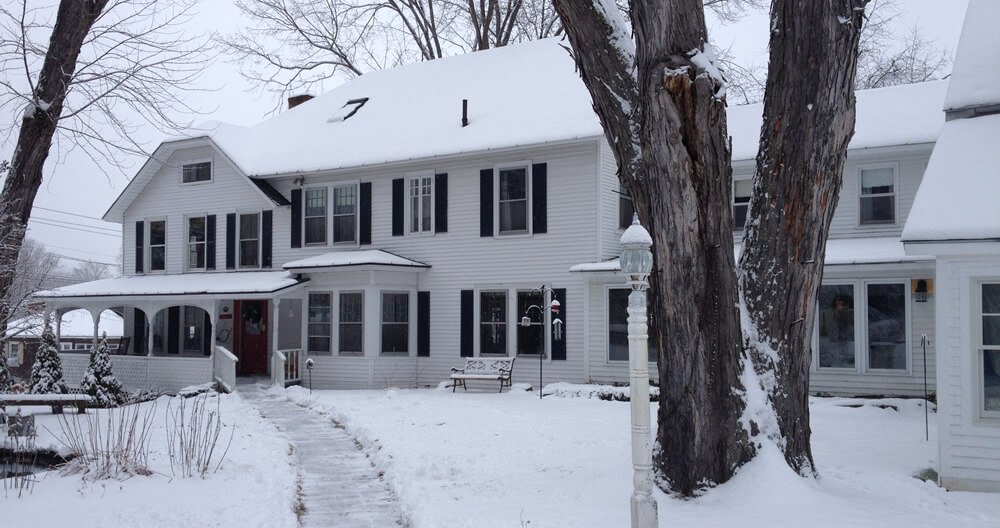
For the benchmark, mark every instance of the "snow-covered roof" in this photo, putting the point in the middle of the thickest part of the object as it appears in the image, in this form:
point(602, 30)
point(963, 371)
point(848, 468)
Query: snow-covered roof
point(518, 95)
point(957, 199)
point(975, 77)
point(896, 115)
point(338, 259)
point(839, 252)
point(179, 284)
point(76, 323)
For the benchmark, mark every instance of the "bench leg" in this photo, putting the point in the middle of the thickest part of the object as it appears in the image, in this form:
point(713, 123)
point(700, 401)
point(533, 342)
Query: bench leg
point(57, 409)
point(81, 409)
point(454, 383)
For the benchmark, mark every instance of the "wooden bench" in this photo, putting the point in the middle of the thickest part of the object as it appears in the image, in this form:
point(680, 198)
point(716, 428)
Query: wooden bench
point(499, 369)
point(56, 401)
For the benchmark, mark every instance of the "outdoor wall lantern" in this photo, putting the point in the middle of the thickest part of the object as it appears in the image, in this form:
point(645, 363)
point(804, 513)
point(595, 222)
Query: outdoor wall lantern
point(920, 292)
point(557, 324)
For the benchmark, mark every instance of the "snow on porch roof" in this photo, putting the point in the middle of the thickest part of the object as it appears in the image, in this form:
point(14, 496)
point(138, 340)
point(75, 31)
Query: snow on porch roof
point(338, 259)
point(184, 284)
point(840, 251)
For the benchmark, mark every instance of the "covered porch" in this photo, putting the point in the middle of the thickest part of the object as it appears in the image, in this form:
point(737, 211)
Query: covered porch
point(190, 329)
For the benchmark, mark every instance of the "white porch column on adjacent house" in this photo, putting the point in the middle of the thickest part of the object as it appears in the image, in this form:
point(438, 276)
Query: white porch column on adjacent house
point(272, 320)
point(213, 314)
point(96, 314)
point(58, 325)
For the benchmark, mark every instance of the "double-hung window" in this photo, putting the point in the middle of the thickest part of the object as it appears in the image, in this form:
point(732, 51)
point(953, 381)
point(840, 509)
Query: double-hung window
point(395, 323)
point(193, 340)
point(157, 245)
point(988, 348)
point(512, 200)
point(351, 328)
point(250, 240)
point(315, 216)
point(742, 189)
point(196, 230)
point(626, 209)
point(421, 196)
point(345, 209)
point(878, 195)
point(493, 323)
point(319, 327)
point(617, 318)
point(196, 172)
point(863, 323)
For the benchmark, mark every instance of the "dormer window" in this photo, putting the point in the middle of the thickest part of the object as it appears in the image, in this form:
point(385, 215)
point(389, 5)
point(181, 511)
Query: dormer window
point(196, 172)
point(349, 109)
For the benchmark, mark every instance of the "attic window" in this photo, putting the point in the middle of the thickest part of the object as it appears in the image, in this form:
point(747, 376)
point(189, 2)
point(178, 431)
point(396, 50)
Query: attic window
point(350, 108)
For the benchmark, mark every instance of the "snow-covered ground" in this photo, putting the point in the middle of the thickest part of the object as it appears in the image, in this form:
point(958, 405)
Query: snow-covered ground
point(255, 486)
point(488, 460)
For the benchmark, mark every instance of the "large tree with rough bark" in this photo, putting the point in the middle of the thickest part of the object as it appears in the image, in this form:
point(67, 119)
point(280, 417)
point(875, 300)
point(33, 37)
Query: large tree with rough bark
point(660, 96)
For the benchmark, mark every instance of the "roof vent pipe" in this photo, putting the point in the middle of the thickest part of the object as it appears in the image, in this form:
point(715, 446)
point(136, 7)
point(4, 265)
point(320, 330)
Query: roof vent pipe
point(465, 112)
point(296, 100)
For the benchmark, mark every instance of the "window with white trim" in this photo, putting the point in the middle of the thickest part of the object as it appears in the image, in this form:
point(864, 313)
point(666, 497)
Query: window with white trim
point(863, 323)
point(878, 195)
point(196, 235)
point(345, 210)
point(319, 324)
point(512, 200)
point(742, 189)
point(626, 209)
point(157, 245)
point(988, 348)
point(315, 216)
point(196, 172)
point(421, 196)
point(351, 320)
point(395, 323)
point(14, 354)
point(249, 225)
point(493, 323)
point(531, 338)
point(193, 340)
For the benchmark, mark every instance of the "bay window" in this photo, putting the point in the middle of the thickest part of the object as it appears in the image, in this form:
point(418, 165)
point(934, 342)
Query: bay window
point(863, 323)
point(318, 324)
point(351, 319)
point(395, 323)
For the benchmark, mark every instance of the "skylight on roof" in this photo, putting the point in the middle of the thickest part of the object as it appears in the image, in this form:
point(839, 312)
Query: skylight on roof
point(350, 108)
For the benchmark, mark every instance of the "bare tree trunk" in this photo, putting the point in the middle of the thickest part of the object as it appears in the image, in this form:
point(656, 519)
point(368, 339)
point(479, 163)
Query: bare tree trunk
point(808, 123)
point(38, 126)
point(667, 126)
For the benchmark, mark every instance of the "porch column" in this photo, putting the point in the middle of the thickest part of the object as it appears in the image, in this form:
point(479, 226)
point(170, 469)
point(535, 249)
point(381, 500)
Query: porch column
point(150, 316)
point(213, 314)
point(96, 314)
point(273, 321)
point(58, 325)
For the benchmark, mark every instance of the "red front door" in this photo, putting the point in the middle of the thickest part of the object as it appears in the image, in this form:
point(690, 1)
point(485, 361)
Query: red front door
point(251, 336)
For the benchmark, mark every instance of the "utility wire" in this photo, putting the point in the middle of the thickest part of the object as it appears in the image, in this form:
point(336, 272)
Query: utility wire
point(74, 228)
point(78, 224)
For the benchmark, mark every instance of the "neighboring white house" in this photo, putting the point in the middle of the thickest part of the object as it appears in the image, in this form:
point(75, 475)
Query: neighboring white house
point(956, 217)
point(388, 234)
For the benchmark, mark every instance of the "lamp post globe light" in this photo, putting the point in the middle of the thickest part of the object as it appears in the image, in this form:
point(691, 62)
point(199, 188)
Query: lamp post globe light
point(637, 263)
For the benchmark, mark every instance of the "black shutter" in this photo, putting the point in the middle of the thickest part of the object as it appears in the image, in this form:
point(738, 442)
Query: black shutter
point(466, 325)
point(486, 203)
point(440, 203)
point(265, 238)
point(210, 242)
point(539, 207)
point(173, 329)
point(206, 336)
point(296, 218)
point(230, 241)
point(140, 235)
point(559, 347)
point(138, 332)
point(366, 213)
point(397, 206)
point(423, 324)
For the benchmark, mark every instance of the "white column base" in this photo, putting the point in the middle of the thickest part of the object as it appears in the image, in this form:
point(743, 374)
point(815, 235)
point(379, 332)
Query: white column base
point(644, 514)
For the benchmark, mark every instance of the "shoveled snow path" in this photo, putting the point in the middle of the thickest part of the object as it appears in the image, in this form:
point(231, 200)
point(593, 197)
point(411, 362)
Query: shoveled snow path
point(339, 485)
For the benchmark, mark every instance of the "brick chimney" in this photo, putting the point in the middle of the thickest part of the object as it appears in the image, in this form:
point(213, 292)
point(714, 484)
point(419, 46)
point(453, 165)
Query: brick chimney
point(296, 100)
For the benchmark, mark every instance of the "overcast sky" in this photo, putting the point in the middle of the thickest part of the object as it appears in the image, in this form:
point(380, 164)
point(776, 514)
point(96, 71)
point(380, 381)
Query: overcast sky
point(75, 186)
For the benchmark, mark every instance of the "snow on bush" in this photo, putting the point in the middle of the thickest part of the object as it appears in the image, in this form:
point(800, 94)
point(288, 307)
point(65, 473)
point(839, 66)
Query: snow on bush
point(6, 381)
point(46, 373)
point(600, 392)
point(108, 445)
point(99, 381)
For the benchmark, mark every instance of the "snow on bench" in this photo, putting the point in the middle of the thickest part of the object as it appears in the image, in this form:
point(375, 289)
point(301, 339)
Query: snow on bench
point(56, 401)
point(483, 369)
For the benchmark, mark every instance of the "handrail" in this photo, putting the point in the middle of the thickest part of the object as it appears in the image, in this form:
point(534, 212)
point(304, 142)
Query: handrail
point(281, 355)
point(225, 351)
point(288, 363)
point(224, 367)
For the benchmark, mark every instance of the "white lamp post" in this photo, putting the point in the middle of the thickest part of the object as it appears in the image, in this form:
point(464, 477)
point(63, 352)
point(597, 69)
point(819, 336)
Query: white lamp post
point(637, 263)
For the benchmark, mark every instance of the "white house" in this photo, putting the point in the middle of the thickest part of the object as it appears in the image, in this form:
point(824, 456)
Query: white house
point(405, 220)
point(956, 218)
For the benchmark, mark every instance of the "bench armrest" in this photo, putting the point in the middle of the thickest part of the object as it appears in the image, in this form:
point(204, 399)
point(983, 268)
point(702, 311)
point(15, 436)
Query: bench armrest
point(453, 369)
point(504, 372)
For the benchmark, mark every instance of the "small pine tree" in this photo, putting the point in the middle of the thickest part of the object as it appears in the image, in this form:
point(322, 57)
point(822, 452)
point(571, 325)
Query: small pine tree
point(99, 381)
point(6, 380)
point(46, 373)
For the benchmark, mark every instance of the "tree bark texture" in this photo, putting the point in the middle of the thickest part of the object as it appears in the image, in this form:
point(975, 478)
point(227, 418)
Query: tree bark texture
point(808, 123)
point(665, 119)
point(74, 20)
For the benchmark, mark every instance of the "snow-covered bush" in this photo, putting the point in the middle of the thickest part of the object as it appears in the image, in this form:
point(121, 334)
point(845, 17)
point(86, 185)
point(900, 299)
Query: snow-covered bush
point(99, 381)
point(47, 373)
point(6, 380)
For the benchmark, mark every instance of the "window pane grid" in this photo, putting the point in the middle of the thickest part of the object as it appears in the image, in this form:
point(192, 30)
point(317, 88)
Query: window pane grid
point(319, 323)
point(989, 348)
point(351, 323)
point(315, 216)
point(878, 196)
point(513, 200)
point(196, 242)
point(493, 323)
point(344, 209)
point(249, 240)
point(157, 245)
point(196, 172)
point(395, 323)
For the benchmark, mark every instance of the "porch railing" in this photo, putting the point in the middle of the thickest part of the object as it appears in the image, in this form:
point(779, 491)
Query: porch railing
point(224, 368)
point(286, 367)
